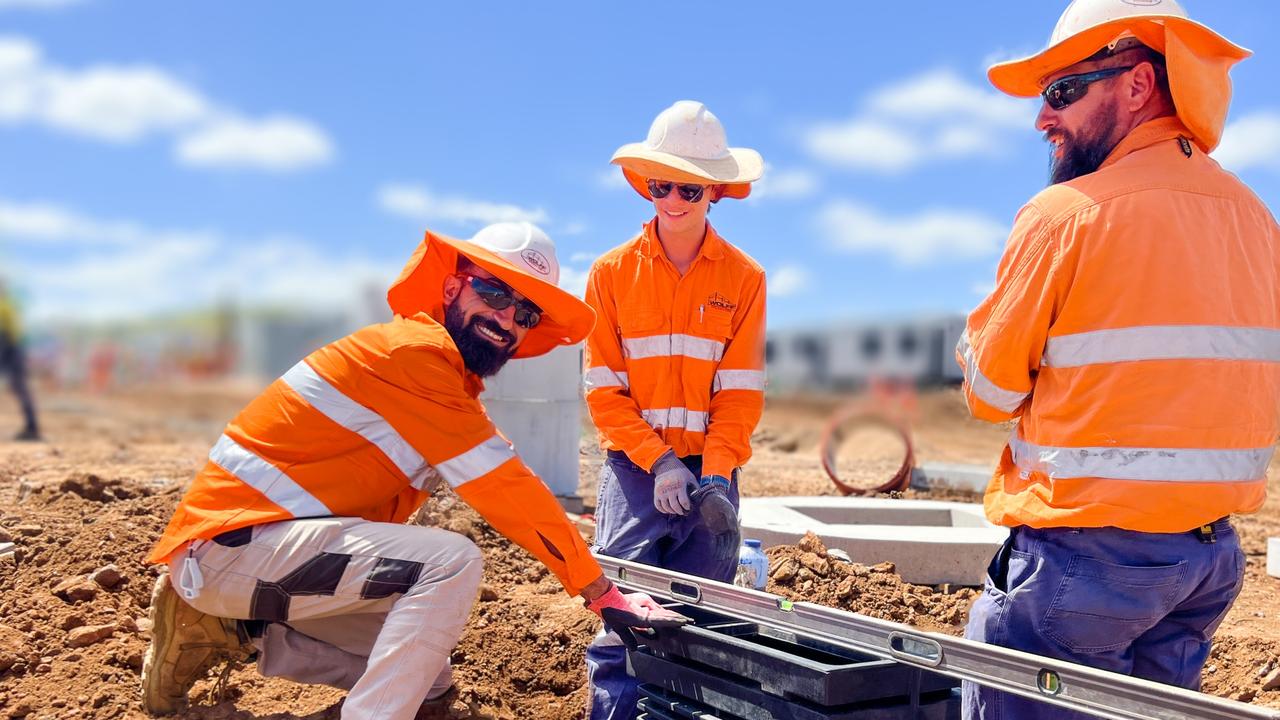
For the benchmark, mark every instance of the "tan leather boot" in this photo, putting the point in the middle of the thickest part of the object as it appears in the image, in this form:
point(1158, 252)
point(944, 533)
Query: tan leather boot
point(185, 644)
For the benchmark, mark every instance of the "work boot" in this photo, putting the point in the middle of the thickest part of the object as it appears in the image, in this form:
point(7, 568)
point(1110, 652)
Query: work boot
point(185, 644)
point(28, 435)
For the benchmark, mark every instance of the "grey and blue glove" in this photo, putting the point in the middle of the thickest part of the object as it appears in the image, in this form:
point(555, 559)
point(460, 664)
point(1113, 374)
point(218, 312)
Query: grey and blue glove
point(718, 514)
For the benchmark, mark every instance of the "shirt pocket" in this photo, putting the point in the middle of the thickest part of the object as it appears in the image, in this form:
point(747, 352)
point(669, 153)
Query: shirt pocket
point(716, 323)
point(1102, 606)
point(640, 321)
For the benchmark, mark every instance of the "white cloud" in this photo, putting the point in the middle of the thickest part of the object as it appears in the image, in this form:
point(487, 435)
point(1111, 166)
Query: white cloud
point(580, 258)
point(611, 179)
point(576, 227)
point(115, 269)
point(1253, 141)
point(274, 143)
point(864, 145)
point(937, 114)
point(788, 280)
point(124, 104)
point(49, 225)
point(789, 184)
point(943, 95)
point(574, 280)
point(418, 203)
point(929, 236)
point(118, 104)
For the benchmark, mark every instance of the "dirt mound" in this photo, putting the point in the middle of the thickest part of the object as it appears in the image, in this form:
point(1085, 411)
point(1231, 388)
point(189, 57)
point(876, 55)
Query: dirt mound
point(806, 571)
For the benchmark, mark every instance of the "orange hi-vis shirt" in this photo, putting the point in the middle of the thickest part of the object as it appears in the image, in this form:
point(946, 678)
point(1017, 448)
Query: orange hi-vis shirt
point(676, 362)
point(1134, 331)
point(363, 427)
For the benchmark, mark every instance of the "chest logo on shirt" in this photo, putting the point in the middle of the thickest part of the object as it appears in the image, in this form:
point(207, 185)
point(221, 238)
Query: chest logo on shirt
point(716, 300)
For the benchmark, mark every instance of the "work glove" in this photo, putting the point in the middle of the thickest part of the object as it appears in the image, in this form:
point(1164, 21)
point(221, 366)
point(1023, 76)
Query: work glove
point(718, 514)
point(627, 614)
point(671, 483)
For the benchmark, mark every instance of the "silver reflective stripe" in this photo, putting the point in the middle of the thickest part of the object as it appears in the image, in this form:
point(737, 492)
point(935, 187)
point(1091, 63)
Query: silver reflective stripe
point(987, 391)
point(266, 479)
point(677, 417)
point(738, 380)
point(476, 462)
point(667, 345)
point(1163, 342)
point(348, 413)
point(602, 377)
point(1130, 463)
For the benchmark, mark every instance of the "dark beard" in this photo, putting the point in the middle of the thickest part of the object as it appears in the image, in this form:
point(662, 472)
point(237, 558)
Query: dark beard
point(1083, 154)
point(480, 356)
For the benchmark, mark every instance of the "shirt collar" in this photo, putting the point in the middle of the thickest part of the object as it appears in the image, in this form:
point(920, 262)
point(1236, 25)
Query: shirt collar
point(1145, 135)
point(712, 244)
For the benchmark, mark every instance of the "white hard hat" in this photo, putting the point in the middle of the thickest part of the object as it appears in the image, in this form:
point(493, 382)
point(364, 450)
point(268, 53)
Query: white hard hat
point(687, 143)
point(1197, 58)
point(524, 245)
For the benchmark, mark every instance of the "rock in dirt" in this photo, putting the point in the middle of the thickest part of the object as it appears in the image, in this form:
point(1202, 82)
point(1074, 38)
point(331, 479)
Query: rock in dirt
point(816, 564)
point(1272, 680)
point(75, 590)
point(90, 634)
point(812, 543)
point(108, 576)
point(488, 593)
point(28, 530)
point(13, 647)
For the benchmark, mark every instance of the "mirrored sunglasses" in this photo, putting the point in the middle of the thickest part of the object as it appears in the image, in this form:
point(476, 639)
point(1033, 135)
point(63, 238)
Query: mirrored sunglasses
point(662, 188)
point(500, 297)
point(1064, 91)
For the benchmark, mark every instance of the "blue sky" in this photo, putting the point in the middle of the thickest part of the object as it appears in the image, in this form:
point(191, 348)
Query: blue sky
point(159, 156)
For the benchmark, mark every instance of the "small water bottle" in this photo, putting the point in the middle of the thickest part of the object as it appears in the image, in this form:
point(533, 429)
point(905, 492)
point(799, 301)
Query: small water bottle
point(753, 566)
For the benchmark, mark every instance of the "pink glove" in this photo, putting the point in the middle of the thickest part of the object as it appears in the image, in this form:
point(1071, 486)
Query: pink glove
point(623, 613)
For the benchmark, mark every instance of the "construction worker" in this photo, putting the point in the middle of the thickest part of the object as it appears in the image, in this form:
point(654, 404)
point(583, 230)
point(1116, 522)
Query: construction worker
point(290, 541)
point(13, 362)
point(674, 371)
point(1134, 334)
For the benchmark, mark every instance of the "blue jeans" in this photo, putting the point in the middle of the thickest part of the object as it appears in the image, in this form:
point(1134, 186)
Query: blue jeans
point(1140, 604)
point(628, 526)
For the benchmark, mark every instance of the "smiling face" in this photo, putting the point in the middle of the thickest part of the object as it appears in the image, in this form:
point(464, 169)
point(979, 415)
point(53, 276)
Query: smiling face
point(1099, 101)
point(486, 338)
point(1082, 134)
point(677, 216)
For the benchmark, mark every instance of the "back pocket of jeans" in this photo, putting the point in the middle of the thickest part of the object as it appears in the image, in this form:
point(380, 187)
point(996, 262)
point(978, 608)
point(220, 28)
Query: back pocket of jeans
point(1102, 606)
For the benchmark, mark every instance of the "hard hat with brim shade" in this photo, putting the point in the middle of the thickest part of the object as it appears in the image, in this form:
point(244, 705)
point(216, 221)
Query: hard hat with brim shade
point(1197, 58)
point(687, 144)
point(530, 269)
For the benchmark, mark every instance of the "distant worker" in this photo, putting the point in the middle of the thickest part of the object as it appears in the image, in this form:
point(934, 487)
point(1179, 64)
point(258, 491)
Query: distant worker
point(1134, 333)
point(291, 543)
point(674, 371)
point(13, 362)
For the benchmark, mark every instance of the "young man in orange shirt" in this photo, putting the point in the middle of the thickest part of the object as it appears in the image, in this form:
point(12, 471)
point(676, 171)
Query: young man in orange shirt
point(674, 371)
point(291, 540)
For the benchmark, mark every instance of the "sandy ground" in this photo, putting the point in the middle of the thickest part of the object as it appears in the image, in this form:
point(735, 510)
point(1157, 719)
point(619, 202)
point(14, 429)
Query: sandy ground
point(84, 508)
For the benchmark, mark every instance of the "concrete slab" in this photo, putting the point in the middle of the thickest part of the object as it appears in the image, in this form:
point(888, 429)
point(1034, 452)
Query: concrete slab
point(1273, 557)
point(931, 542)
point(956, 476)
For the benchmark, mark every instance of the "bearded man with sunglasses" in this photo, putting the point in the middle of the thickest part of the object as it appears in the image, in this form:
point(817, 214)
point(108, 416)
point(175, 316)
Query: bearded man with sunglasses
point(290, 543)
point(1134, 334)
point(674, 372)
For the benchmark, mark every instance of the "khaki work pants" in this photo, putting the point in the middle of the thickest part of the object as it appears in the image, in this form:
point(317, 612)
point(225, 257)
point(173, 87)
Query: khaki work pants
point(373, 608)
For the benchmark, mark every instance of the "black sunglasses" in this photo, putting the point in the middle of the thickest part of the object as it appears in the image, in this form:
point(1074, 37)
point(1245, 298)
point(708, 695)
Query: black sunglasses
point(662, 188)
point(1064, 91)
point(500, 297)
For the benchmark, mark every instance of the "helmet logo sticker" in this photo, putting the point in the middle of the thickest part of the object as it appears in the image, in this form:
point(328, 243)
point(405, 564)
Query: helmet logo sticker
point(537, 261)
